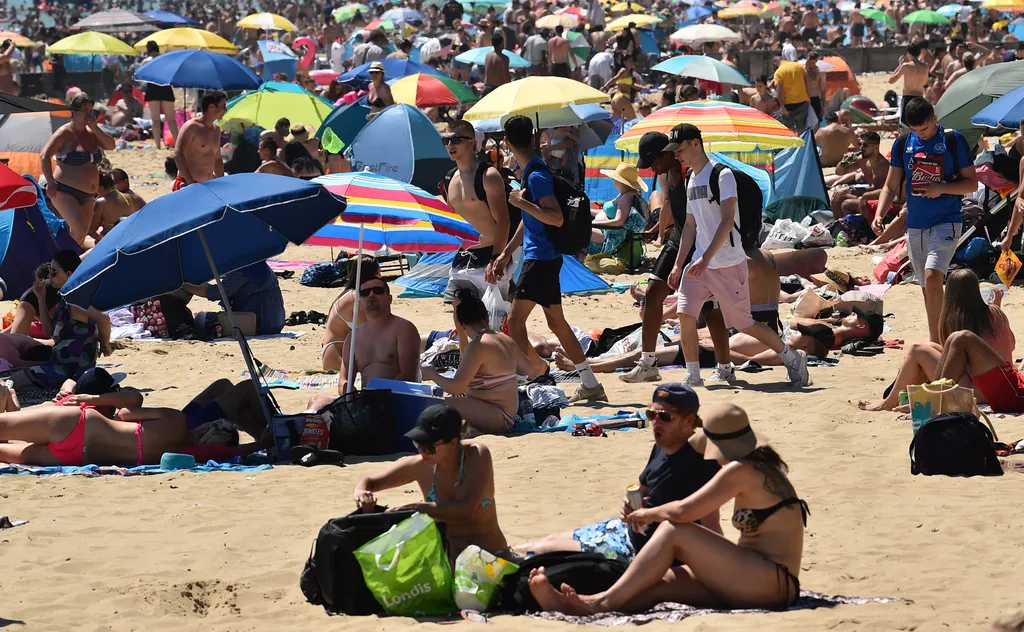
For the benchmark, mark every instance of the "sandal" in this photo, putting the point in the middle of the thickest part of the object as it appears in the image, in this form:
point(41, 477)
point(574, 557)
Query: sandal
point(308, 456)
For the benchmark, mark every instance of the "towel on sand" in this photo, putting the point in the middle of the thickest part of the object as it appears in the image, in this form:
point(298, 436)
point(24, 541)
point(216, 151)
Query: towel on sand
point(293, 380)
point(114, 470)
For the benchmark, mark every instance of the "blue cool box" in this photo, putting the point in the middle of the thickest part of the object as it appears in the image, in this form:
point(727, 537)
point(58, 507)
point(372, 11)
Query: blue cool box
point(408, 399)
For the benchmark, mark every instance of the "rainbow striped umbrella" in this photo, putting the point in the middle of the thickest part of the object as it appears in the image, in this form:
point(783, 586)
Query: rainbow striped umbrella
point(725, 127)
point(418, 237)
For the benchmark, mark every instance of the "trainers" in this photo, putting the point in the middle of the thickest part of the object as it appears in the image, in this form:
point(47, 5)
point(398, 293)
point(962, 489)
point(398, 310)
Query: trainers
point(723, 375)
point(693, 382)
point(798, 374)
point(641, 373)
point(588, 394)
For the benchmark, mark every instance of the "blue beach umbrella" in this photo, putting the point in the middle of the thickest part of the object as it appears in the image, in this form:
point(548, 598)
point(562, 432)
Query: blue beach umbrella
point(479, 56)
point(401, 143)
point(702, 67)
point(697, 13)
point(198, 69)
point(949, 10)
point(1006, 111)
point(393, 69)
point(168, 19)
point(345, 122)
point(402, 14)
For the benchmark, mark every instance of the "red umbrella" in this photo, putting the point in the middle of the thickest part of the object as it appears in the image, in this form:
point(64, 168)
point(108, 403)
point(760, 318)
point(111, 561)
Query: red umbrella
point(15, 191)
point(138, 94)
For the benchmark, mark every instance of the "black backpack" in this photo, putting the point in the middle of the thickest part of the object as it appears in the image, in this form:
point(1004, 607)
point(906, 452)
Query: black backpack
point(332, 577)
point(954, 444)
point(588, 573)
point(575, 232)
point(514, 214)
point(749, 205)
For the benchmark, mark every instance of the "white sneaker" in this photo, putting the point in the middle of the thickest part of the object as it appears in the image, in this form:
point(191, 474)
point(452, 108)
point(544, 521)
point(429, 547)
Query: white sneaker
point(693, 382)
point(641, 373)
point(583, 394)
point(798, 374)
point(723, 375)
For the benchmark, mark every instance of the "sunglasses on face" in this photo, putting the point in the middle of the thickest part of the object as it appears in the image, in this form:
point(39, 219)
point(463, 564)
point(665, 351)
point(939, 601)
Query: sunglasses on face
point(378, 290)
point(426, 449)
point(453, 140)
point(661, 415)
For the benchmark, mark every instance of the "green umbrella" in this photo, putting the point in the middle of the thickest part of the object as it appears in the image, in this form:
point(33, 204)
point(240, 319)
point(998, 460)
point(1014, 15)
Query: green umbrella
point(925, 17)
point(579, 46)
point(972, 92)
point(347, 12)
point(880, 16)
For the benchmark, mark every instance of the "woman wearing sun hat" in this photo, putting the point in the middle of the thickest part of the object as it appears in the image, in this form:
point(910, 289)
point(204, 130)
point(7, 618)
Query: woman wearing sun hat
point(621, 216)
point(758, 571)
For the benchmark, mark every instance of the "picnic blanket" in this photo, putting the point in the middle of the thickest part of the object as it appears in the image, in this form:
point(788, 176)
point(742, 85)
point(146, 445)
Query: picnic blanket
point(289, 264)
point(93, 471)
point(294, 380)
point(674, 612)
point(231, 340)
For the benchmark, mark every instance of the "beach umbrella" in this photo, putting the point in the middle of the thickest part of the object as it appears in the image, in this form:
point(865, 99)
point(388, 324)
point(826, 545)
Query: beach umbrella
point(724, 126)
point(403, 15)
point(386, 25)
point(198, 69)
point(90, 42)
point(1006, 6)
point(925, 17)
point(267, 22)
point(533, 95)
point(972, 92)
point(702, 67)
point(546, 119)
point(479, 56)
point(195, 235)
point(949, 10)
point(564, 20)
point(1006, 111)
point(393, 69)
point(483, 5)
point(579, 46)
point(417, 237)
point(638, 19)
point(878, 16)
point(342, 125)
point(429, 91)
point(166, 18)
point(401, 142)
point(347, 12)
point(275, 100)
point(620, 7)
point(704, 33)
point(19, 40)
point(377, 199)
point(185, 38)
point(739, 12)
point(116, 20)
point(578, 12)
point(697, 13)
point(15, 191)
point(23, 136)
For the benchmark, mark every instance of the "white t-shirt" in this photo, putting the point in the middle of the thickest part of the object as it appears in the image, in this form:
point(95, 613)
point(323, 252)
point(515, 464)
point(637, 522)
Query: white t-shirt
point(708, 216)
point(789, 52)
point(337, 65)
point(534, 48)
point(601, 66)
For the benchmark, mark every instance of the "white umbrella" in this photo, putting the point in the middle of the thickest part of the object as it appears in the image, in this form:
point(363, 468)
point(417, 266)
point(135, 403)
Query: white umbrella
point(704, 33)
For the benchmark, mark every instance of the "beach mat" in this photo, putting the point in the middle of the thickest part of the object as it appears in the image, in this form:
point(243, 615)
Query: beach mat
point(309, 379)
point(675, 612)
point(289, 264)
point(229, 339)
point(92, 471)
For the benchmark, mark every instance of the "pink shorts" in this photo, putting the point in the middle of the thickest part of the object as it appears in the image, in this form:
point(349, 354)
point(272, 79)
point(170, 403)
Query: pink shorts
point(727, 285)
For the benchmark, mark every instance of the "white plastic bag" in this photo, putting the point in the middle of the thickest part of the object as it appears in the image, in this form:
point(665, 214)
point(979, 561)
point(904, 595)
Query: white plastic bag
point(497, 307)
point(785, 234)
point(478, 576)
point(818, 235)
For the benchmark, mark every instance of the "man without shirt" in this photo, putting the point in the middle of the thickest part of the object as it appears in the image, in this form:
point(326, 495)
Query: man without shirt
point(869, 168)
point(496, 65)
point(834, 140)
point(558, 54)
point(760, 98)
point(197, 151)
point(914, 73)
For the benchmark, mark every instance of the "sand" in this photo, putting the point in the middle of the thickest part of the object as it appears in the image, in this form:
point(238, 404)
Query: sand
point(223, 551)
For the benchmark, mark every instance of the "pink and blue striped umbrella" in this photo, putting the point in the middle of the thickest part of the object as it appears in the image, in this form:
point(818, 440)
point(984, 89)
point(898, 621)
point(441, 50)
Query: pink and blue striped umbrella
point(418, 237)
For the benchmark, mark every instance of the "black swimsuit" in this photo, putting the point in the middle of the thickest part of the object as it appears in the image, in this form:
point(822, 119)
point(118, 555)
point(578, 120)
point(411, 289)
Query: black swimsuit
point(750, 520)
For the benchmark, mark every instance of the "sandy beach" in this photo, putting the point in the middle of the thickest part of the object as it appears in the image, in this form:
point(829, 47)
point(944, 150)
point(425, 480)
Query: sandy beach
point(223, 551)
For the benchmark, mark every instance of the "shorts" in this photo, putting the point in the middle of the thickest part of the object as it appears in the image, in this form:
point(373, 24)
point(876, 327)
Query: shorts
point(728, 285)
point(1003, 387)
point(932, 248)
point(436, 335)
point(857, 30)
point(810, 33)
point(816, 106)
point(561, 70)
point(610, 538)
point(179, 184)
point(873, 205)
point(468, 271)
point(794, 116)
point(539, 282)
point(199, 414)
point(706, 358)
point(159, 93)
point(666, 261)
point(767, 316)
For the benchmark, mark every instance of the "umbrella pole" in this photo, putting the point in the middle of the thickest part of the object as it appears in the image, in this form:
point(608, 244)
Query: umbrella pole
point(254, 375)
point(350, 378)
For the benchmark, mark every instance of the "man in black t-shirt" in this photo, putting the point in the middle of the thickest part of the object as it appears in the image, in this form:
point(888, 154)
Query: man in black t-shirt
point(452, 11)
point(674, 471)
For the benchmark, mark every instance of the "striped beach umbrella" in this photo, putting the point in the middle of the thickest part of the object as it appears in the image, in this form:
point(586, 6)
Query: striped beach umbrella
point(116, 20)
point(418, 237)
point(19, 40)
point(725, 127)
point(429, 91)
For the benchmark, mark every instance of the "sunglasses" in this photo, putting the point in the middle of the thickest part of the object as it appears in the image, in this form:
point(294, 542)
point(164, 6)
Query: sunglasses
point(453, 140)
point(426, 449)
point(54, 271)
point(378, 290)
point(661, 415)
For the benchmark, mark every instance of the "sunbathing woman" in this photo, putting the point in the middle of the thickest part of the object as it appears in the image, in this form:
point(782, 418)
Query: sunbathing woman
point(760, 570)
point(339, 316)
point(26, 316)
point(455, 476)
point(963, 308)
point(484, 388)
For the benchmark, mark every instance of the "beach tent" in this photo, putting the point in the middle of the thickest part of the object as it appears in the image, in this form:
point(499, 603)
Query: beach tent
point(839, 78)
point(430, 276)
point(798, 171)
point(277, 58)
point(23, 136)
point(29, 236)
point(401, 143)
point(760, 176)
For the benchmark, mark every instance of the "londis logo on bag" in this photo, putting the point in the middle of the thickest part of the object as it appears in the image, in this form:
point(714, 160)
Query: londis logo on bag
point(416, 591)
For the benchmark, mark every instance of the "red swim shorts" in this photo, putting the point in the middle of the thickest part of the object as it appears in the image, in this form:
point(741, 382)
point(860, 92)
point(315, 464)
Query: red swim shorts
point(873, 205)
point(179, 183)
point(1003, 387)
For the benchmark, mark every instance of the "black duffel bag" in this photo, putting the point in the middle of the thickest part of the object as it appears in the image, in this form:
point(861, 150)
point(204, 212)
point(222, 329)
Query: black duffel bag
point(361, 423)
point(587, 573)
point(954, 444)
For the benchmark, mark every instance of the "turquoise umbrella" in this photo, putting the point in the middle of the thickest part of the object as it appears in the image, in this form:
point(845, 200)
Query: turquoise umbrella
point(479, 55)
point(702, 67)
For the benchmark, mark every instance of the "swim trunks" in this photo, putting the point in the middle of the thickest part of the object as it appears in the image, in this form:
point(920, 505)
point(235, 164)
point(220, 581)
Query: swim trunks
point(608, 537)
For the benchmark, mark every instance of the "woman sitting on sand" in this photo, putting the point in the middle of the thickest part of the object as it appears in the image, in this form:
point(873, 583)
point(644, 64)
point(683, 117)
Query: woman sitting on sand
point(484, 389)
point(456, 478)
point(963, 308)
point(760, 570)
point(339, 316)
point(623, 215)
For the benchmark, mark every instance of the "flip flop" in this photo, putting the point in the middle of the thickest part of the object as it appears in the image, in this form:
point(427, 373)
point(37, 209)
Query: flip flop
point(752, 366)
point(308, 456)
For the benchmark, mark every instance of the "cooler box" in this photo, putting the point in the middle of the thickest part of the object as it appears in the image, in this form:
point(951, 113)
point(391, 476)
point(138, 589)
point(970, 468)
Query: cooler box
point(408, 399)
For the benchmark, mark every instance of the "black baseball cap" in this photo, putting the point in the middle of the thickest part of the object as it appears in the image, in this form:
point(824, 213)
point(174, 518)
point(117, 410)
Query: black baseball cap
point(677, 395)
point(440, 422)
point(875, 323)
point(680, 133)
point(822, 333)
point(95, 381)
point(652, 145)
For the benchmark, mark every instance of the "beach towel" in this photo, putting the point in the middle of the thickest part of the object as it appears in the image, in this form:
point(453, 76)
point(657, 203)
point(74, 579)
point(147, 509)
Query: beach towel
point(282, 335)
point(289, 264)
point(675, 612)
point(309, 379)
point(93, 471)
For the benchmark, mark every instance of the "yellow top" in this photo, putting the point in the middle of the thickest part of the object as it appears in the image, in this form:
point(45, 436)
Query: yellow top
point(792, 76)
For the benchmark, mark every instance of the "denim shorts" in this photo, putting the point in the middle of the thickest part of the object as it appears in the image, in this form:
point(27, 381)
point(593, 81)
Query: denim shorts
point(932, 248)
point(608, 537)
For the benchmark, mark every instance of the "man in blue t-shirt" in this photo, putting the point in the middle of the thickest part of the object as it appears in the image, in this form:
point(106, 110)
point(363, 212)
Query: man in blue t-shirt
point(538, 282)
point(936, 178)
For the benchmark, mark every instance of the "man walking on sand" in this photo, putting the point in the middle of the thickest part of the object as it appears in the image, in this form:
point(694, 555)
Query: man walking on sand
point(539, 281)
point(914, 73)
point(558, 55)
point(936, 177)
point(719, 265)
point(197, 150)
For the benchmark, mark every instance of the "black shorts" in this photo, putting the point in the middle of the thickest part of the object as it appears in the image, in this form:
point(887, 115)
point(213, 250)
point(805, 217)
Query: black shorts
point(159, 93)
point(561, 70)
point(665, 262)
point(539, 282)
point(816, 106)
point(858, 30)
point(769, 317)
point(706, 357)
point(810, 33)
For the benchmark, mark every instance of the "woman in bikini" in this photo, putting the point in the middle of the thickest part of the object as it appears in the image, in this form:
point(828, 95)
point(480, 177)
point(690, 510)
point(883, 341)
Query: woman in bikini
point(339, 316)
point(484, 388)
point(625, 87)
point(73, 183)
point(455, 476)
point(760, 570)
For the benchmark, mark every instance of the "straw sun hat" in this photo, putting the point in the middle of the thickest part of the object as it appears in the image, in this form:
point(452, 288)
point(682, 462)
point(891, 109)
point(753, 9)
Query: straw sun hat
point(726, 433)
point(627, 174)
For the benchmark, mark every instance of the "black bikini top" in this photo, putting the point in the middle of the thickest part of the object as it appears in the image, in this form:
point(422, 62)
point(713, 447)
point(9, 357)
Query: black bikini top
point(750, 520)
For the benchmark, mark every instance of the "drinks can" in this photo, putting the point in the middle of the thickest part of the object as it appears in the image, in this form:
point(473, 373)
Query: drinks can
point(635, 496)
point(890, 278)
point(904, 398)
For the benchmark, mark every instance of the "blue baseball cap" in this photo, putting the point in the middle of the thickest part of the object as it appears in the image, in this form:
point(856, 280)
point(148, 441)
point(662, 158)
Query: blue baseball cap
point(677, 395)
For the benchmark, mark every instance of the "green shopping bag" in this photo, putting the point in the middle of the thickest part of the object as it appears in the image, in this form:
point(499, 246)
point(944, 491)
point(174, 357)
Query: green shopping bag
point(407, 569)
